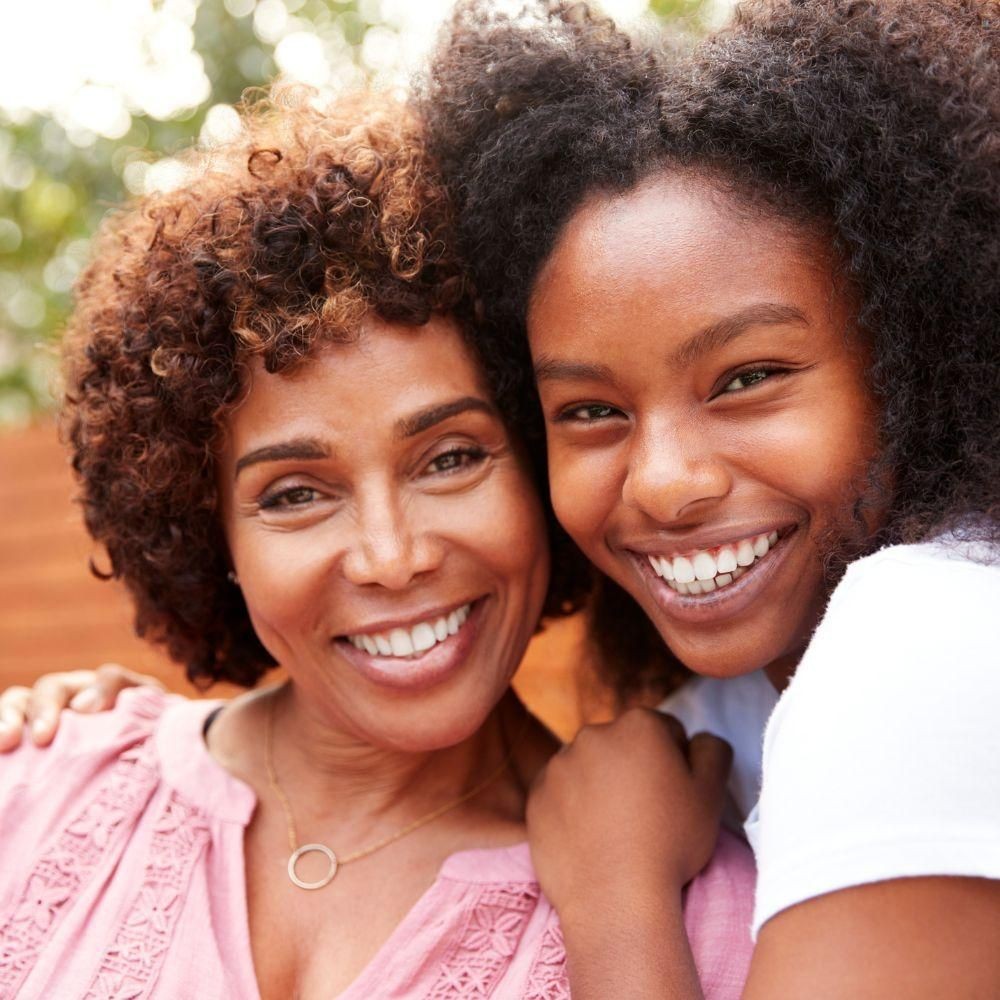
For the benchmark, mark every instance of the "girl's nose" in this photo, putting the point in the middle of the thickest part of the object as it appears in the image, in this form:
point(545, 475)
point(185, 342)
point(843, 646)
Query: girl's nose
point(672, 473)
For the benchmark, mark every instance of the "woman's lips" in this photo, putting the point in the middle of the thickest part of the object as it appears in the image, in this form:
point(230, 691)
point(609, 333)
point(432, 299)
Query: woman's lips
point(723, 602)
point(421, 670)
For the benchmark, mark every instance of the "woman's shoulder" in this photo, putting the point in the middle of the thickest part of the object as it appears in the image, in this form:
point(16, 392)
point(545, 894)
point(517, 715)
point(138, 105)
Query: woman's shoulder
point(496, 891)
point(139, 740)
point(88, 738)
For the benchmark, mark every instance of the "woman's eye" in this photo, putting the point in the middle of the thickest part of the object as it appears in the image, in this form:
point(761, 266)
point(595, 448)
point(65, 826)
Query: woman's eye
point(744, 380)
point(588, 413)
point(457, 459)
point(294, 497)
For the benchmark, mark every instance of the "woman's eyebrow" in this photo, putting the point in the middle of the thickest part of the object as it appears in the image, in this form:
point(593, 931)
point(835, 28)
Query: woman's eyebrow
point(722, 331)
point(424, 419)
point(298, 448)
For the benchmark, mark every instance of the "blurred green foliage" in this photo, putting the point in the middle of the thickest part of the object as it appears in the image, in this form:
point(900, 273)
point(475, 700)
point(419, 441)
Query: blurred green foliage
point(57, 182)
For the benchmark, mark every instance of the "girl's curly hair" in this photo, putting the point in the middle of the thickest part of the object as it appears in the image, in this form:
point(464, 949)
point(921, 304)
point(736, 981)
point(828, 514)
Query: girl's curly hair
point(876, 120)
point(276, 241)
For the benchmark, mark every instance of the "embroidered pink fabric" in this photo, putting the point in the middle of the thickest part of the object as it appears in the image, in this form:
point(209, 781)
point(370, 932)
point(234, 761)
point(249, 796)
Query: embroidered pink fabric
point(121, 876)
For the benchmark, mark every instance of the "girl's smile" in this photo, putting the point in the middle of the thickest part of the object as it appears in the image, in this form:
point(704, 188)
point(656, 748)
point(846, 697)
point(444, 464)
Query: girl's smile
point(708, 420)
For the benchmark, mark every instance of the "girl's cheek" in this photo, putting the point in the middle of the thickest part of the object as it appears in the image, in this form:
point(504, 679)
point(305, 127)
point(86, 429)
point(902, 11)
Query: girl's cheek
point(583, 493)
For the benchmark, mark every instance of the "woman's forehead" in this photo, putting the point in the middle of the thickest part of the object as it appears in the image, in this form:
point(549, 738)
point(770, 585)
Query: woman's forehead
point(367, 383)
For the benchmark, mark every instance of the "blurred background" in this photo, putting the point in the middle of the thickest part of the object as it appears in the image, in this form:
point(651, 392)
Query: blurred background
point(95, 96)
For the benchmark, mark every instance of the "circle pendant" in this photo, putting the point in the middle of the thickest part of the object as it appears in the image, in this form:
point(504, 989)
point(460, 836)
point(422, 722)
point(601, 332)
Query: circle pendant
point(312, 849)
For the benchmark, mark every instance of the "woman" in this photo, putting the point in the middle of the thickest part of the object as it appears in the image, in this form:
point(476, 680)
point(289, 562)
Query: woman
point(289, 448)
point(760, 295)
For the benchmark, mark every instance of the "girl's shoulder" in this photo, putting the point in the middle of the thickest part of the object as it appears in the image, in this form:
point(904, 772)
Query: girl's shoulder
point(877, 755)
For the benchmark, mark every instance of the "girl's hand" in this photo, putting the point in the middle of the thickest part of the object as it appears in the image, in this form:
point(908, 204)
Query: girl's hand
point(78, 690)
point(628, 809)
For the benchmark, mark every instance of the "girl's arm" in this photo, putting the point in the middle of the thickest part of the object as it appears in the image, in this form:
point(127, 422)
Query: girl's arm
point(919, 938)
point(598, 819)
point(79, 690)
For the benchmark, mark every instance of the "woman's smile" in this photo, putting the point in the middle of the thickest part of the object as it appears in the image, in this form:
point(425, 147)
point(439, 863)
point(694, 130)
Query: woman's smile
point(418, 652)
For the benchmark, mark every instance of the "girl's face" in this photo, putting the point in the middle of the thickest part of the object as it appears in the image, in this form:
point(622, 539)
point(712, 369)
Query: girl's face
point(387, 538)
point(709, 424)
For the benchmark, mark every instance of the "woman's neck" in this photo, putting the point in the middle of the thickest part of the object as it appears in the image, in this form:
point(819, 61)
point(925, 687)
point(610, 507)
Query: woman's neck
point(333, 780)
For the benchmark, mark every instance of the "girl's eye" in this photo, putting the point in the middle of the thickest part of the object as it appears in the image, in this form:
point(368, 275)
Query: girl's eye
point(295, 497)
point(457, 459)
point(588, 413)
point(746, 379)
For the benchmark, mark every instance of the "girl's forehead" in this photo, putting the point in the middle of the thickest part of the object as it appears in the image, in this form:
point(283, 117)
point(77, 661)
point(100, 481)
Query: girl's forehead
point(673, 257)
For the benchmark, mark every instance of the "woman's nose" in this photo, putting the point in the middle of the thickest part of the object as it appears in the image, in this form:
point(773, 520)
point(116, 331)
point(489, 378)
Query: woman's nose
point(673, 473)
point(390, 550)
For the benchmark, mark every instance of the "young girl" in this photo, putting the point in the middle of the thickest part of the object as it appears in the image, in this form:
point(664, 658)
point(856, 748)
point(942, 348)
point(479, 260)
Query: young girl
point(761, 296)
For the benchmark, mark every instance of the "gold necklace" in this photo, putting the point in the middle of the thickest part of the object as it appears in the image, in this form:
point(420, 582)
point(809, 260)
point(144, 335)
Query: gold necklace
point(298, 851)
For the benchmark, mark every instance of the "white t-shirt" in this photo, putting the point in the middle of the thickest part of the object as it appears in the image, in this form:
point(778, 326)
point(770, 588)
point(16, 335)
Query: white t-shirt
point(882, 758)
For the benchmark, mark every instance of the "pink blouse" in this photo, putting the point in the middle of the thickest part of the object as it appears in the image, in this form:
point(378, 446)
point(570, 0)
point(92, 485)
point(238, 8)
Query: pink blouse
point(121, 876)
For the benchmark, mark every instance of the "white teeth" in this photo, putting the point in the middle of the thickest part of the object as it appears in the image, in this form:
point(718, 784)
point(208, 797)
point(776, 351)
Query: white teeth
point(704, 566)
point(418, 639)
point(662, 567)
point(701, 573)
point(402, 644)
point(726, 560)
point(423, 637)
point(683, 570)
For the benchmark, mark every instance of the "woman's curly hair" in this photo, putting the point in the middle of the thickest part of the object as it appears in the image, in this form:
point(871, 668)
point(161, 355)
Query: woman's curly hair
point(876, 120)
point(279, 240)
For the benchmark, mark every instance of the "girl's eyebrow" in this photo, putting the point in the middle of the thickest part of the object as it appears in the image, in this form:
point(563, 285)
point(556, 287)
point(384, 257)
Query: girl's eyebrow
point(708, 338)
point(548, 368)
point(722, 331)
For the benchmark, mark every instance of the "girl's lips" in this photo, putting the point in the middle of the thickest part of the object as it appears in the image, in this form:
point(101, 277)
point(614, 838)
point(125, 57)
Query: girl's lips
point(424, 670)
point(726, 602)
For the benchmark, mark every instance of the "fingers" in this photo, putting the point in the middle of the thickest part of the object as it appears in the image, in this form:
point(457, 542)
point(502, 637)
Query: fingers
point(13, 712)
point(50, 695)
point(711, 759)
point(676, 729)
point(111, 679)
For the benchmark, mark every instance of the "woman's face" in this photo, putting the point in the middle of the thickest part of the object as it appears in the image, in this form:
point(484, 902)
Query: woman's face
point(388, 541)
point(708, 419)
